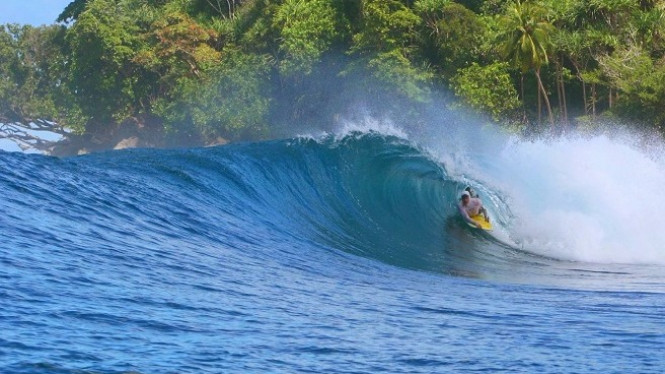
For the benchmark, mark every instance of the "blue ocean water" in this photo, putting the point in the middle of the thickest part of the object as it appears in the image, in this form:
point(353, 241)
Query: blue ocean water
point(334, 255)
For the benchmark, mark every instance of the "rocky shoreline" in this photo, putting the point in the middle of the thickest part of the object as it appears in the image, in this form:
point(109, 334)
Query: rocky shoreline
point(129, 134)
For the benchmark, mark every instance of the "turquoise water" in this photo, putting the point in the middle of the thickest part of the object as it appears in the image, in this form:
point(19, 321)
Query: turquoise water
point(338, 255)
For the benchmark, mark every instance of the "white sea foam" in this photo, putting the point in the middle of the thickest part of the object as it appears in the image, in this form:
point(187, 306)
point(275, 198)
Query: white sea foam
point(595, 199)
point(370, 124)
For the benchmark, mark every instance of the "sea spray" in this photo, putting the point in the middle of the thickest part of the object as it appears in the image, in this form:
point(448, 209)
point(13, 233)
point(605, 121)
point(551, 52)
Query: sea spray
point(594, 199)
point(580, 197)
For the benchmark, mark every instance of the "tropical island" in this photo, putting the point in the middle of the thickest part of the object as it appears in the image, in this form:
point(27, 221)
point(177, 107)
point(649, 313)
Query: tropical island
point(141, 73)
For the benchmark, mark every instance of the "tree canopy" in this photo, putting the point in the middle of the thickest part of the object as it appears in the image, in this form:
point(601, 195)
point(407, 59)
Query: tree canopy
point(246, 69)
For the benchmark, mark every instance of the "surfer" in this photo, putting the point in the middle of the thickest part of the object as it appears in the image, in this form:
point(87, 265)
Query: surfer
point(471, 206)
point(471, 192)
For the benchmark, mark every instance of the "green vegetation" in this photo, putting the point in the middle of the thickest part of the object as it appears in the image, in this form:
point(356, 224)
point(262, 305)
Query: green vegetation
point(247, 69)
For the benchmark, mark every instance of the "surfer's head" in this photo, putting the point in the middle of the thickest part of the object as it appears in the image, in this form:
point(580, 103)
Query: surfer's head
point(465, 196)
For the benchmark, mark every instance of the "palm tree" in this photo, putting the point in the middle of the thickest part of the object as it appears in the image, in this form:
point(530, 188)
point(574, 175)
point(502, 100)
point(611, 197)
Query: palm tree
point(526, 42)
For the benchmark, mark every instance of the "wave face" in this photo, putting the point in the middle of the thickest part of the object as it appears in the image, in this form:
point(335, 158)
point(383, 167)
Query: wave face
point(366, 194)
point(317, 254)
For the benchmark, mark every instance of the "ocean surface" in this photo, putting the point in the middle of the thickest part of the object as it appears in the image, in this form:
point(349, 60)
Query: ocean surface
point(335, 254)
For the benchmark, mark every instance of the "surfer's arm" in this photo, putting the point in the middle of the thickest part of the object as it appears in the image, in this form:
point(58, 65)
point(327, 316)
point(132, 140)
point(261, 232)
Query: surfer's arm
point(484, 212)
point(466, 217)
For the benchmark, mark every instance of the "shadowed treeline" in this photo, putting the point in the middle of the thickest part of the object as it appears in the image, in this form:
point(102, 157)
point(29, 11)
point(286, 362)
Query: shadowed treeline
point(194, 72)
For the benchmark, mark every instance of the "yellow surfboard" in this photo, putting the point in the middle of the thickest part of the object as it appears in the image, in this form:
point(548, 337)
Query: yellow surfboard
point(487, 226)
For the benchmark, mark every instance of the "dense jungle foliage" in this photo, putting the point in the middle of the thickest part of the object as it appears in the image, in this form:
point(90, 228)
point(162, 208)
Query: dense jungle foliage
point(250, 69)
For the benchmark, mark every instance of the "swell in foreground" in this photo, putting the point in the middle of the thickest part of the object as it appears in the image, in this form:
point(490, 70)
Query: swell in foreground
point(329, 255)
point(559, 207)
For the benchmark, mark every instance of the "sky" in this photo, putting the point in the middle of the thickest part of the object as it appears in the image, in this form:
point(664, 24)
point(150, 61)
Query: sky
point(33, 12)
